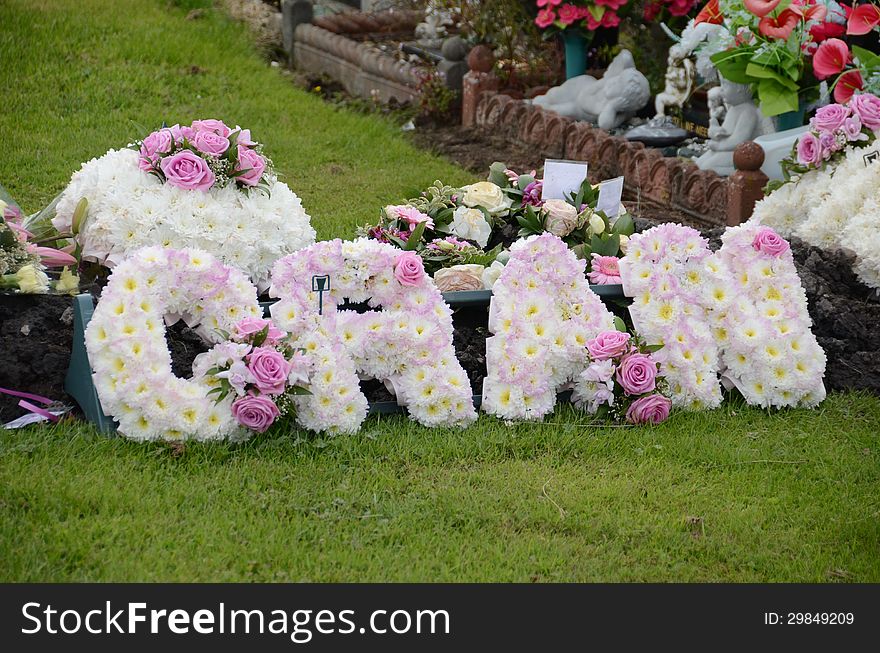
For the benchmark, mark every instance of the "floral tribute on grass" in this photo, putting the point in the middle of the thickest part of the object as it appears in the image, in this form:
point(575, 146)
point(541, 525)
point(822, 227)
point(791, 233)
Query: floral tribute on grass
point(770, 352)
point(407, 344)
point(623, 380)
point(542, 315)
point(675, 281)
point(831, 203)
point(205, 186)
point(125, 340)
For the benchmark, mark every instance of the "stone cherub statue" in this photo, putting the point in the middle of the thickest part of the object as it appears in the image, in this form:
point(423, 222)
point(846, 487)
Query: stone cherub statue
point(681, 75)
point(608, 102)
point(742, 122)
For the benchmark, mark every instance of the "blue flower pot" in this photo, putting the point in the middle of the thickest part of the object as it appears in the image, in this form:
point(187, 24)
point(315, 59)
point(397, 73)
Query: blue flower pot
point(575, 53)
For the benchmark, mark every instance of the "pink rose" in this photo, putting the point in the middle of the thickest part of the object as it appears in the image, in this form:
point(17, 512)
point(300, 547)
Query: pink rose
point(852, 128)
point(637, 374)
point(187, 170)
point(255, 413)
point(829, 118)
point(159, 142)
point(408, 269)
point(809, 151)
point(211, 125)
point(270, 369)
point(251, 326)
point(828, 143)
point(605, 270)
point(608, 344)
point(769, 242)
point(253, 163)
point(652, 409)
point(210, 143)
point(867, 108)
point(244, 138)
point(180, 133)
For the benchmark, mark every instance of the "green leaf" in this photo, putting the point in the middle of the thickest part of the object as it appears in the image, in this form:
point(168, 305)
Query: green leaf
point(261, 335)
point(397, 241)
point(732, 64)
point(415, 237)
point(764, 73)
point(619, 324)
point(652, 348)
point(776, 98)
point(496, 174)
point(79, 215)
point(298, 391)
point(624, 225)
point(606, 245)
point(867, 59)
point(144, 132)
point(524, 180)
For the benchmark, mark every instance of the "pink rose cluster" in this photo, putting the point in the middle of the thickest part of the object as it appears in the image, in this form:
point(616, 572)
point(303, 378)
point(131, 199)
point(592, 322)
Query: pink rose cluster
point(260, 369)
point(542, 315)
point(205, 154)
point(624, 378)
point(836, 126)
point(407, 344)
point(674, 281)
point(592, 14)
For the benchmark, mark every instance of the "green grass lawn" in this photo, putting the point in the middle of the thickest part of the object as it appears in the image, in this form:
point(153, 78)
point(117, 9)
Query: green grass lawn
point(737, 494)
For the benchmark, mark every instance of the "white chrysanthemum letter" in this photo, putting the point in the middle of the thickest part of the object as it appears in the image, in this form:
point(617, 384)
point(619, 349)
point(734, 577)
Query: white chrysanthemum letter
point(542, 315)
point(407, 344)
point(125, 340)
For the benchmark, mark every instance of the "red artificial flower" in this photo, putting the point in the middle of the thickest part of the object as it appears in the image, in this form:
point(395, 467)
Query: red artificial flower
point(781, 26)
point(681, 7)
point(548, 3)
point(826, 30)
point(651, 11)
point(568, 14)
point(830, 58)
point(546, 17)
point(847, 84)
point(761, 7)
point(612, 4)
point(610, 19)
point(862, 19)
point(711, 13)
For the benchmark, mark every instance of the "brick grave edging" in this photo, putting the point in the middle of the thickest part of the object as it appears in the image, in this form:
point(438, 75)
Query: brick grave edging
point(664, 182)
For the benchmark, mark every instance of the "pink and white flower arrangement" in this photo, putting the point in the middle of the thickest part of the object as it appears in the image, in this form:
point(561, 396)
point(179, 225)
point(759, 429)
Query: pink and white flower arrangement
point(407, 344)
point(129, 356)
point(769, 351)
point(171, 193)
point(675, 282)
point(260, 369)
point(623, 380)
point(542, 315)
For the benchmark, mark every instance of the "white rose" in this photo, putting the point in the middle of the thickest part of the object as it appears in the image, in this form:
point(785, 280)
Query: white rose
point(561, 217)
point(491, 274)
point(470, 224)
point(31, 280)
point(624, 241)
point(459, 277)
point(597, 224)
point(487, 195)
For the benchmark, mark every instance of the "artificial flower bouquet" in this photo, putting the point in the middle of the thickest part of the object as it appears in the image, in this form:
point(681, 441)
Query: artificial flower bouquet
point(258, 366)
point(775, 46)
point(584, 15)
point(23, 261)
point(185, 186)
point(833, 129)
point(623, 379)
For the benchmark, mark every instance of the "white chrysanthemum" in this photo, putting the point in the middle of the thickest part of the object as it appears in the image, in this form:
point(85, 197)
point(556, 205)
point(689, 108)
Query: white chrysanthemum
point(129, 209)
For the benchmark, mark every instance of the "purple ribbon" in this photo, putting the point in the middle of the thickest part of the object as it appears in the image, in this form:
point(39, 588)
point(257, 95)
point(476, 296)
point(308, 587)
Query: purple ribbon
point(27, 405)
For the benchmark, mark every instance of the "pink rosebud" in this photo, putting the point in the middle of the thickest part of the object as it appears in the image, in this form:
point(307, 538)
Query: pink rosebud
point(255, 413)
point(180, 133)
point(608, 344)
point(253, 163)
point(769, 242)
point(605, 270)
point(269, 368)
point(809, 150)
point(210, 143)
point(251, 326)
point(244, 138)
point(637, 373)
point(211, 125)
point(187, 170)
point(155, 144)
point(652, 409)
point(409, 269)
point(867, 108)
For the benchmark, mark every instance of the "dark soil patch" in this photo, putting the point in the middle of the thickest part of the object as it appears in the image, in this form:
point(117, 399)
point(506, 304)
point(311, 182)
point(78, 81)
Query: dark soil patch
point(36, 332)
